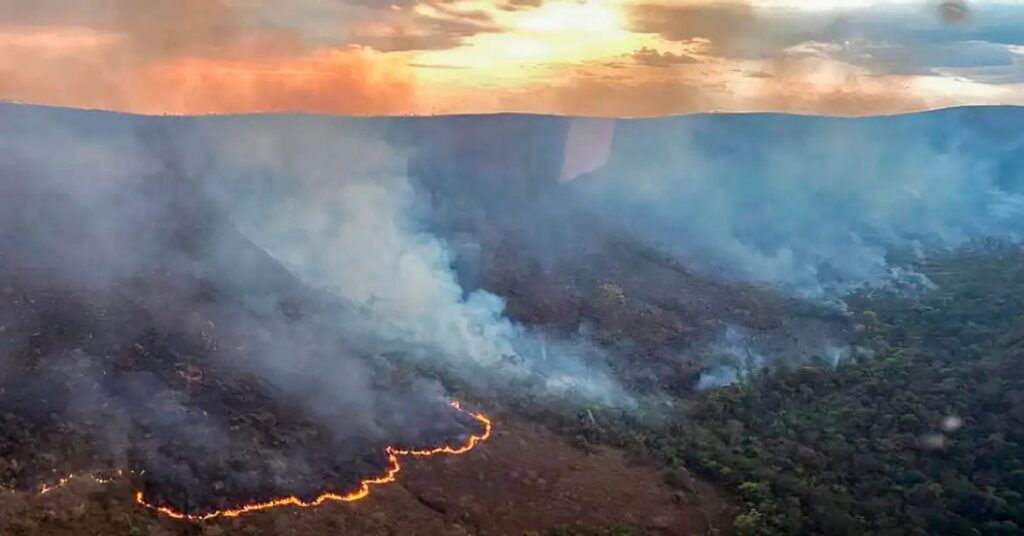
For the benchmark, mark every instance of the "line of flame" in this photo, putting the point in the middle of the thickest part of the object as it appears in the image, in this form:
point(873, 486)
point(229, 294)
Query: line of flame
point(65, 480)
point(359, 493)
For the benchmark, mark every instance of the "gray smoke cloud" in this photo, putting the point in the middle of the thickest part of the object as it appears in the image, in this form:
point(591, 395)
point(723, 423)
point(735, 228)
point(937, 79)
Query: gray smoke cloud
point(128, 279)
point(815, 205)
point(305, 255)
point(330, 199)
point(334, 203)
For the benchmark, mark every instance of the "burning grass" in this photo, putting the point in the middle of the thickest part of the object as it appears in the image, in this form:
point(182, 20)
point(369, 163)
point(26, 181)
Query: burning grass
point(96, 381)
point(361, 491)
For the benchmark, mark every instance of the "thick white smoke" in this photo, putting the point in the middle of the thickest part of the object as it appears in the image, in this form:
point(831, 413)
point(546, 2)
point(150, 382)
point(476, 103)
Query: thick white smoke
point(339, 216)
point(333, 203)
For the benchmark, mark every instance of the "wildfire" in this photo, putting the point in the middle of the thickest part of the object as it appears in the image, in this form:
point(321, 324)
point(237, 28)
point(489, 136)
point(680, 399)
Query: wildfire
point(65, 480)
point(361, 492)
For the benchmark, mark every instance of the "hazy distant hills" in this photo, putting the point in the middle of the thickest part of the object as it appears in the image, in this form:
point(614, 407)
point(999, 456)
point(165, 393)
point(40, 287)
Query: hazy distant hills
point(305, 289)
point(813, 205)
point(500, 143)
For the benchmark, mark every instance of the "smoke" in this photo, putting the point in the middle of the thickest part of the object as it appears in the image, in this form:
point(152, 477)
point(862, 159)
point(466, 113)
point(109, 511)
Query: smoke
point(734, 358)
point(123, 278)
point(308, 272)
point(333, 202)
point(818, 206)
point(722, 376)
point(346, 227)
point(737, 354)
point(265, 211)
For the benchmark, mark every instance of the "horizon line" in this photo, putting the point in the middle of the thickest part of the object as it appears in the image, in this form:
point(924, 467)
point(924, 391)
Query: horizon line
point(256, 113)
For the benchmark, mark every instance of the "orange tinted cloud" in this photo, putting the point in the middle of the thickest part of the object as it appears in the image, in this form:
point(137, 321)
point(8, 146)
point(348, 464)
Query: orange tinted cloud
point(79, 67)
point(187, 57)
point(328, 81)
point(59, 65)
point(582, 57)
point(52, 40)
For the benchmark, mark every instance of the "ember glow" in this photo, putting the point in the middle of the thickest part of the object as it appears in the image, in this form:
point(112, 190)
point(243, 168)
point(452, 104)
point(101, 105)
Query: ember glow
point(65, 480)
point(361, 492)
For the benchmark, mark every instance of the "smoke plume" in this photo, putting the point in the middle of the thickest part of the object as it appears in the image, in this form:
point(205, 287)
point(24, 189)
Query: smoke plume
point(160, 335)
point(333, 201)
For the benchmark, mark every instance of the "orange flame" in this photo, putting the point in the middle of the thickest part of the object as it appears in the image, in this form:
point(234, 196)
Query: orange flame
point(359, 493)
point(65, 480)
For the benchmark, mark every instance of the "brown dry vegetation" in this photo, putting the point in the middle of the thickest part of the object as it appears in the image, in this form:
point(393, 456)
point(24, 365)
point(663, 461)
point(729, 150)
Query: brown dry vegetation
point(525, 479)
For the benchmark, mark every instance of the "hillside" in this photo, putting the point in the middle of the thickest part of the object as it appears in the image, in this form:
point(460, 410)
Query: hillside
point(241, 308)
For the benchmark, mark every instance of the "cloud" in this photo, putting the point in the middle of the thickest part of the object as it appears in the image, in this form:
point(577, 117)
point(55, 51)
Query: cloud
point(653, 58)
point(741, 30)
point(924, 58)
point(758, 74)
point(870, 57)
point(420, 33)
point(812, 83)
point(430, 25)
point(326, 81)
point(732, 28)
point(367, 57)
point(193, 56)
point(809, 82)
point(517, 5)
point(153, 28)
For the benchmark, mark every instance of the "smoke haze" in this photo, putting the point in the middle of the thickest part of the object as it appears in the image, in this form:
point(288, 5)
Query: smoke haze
point(157, 323)
point(815, 205)
point(311, 259)
point(332, 200)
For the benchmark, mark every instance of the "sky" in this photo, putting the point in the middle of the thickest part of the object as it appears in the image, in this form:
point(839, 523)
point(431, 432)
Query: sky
point(620, 58)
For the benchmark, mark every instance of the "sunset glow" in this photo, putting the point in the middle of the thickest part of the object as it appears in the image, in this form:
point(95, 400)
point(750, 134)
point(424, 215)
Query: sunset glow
point(596, 57)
